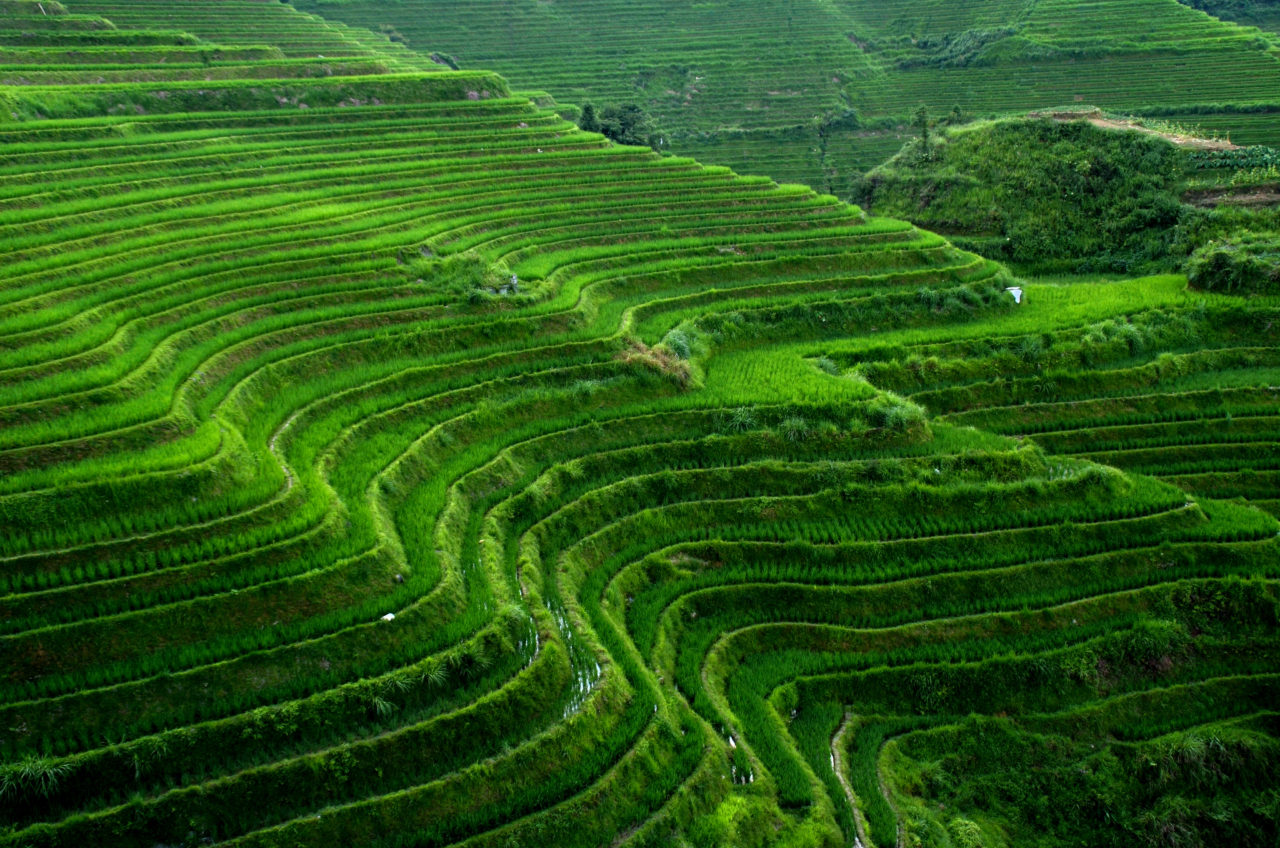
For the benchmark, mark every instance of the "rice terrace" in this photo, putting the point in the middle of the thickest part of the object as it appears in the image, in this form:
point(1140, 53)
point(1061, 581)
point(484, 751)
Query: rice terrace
point(623, 423)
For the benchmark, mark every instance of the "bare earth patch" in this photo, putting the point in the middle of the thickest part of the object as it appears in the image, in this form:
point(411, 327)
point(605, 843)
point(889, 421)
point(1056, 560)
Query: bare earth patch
point(1095, 117)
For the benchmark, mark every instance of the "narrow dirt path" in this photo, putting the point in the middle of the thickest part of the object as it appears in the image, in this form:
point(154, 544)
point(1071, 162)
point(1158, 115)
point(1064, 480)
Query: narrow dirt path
point(860, 839)
point(1096, 118)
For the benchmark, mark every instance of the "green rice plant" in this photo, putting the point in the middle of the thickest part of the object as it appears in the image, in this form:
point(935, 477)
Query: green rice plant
point(32, 777)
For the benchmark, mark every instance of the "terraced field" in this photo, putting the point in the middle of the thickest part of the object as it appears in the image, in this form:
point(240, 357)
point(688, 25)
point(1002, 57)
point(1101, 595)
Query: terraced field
point(387, 462)
point(820, 92)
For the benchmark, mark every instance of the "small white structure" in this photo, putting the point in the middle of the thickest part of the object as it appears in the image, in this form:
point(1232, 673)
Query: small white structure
point(389, 617)
point(1016, 291)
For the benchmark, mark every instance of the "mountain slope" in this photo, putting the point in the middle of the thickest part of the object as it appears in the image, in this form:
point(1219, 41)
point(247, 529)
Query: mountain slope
point(818, 92)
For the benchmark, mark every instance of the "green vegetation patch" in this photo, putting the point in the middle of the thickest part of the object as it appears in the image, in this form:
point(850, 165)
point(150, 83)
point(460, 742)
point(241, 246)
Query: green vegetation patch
point(1042, 193)
point(1245, 263)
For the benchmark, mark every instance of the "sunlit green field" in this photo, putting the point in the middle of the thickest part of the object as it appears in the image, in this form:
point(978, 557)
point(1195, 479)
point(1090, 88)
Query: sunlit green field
point(414, 468)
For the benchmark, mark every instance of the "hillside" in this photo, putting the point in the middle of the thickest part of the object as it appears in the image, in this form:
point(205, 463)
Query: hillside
point(1078, 191)
point(819, 92)
point(384, 461)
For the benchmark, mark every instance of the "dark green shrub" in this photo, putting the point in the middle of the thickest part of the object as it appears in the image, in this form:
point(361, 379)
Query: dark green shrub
point(1247, 263)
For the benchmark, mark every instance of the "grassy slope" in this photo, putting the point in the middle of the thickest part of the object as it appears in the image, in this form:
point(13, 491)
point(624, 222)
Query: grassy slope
point(1068, 195)
point(765, 86)
point(314, 530)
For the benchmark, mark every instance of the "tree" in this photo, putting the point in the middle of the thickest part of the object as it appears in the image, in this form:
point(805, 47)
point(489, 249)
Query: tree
point(921, 123)
point(588, 120)
point(627, 124)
